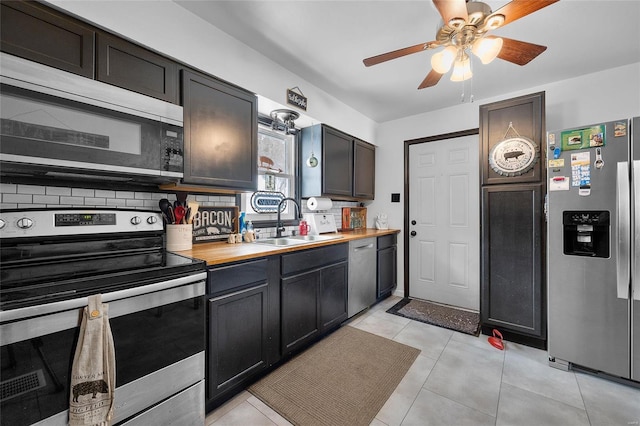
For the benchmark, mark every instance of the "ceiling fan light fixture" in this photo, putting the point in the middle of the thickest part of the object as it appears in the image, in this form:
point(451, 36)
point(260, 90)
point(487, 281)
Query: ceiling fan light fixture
point(487, 49)
point(493, 22)
point(462, 69)
point(442, 61)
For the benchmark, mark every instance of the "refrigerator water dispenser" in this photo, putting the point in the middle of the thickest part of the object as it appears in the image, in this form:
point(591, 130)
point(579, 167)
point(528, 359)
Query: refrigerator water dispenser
point(586, 233)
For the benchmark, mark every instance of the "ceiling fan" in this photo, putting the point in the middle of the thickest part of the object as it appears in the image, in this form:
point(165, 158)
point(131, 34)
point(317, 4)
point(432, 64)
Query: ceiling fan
point(465, 28)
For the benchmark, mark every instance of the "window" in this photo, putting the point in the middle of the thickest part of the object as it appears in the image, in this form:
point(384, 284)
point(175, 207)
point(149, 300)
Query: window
point(276, 172)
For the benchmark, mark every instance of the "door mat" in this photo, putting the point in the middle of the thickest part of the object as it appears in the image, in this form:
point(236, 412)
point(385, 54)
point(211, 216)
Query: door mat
point(436, 314)
point(344, 379)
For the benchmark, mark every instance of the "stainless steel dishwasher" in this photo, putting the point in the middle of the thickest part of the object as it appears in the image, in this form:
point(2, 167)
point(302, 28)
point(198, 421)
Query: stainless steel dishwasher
point(362, 275)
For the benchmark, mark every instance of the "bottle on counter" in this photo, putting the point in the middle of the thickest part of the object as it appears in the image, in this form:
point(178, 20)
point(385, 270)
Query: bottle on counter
point(249, 234)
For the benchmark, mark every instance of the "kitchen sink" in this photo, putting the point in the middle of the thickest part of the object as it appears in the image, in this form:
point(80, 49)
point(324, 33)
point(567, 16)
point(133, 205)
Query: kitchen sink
point(296, 240)
point(279, 242)
point(315, 238)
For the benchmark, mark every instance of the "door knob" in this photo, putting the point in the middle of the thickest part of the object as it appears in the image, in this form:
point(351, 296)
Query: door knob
point(413, 233)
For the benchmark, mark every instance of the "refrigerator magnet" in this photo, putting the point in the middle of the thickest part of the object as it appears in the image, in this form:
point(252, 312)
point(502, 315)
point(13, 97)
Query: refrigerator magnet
point(556, 163)
point(559, 183)
point(620, 129)
point(599, 163)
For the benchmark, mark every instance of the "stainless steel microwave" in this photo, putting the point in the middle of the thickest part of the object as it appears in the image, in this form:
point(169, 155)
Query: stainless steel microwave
point(57, 123)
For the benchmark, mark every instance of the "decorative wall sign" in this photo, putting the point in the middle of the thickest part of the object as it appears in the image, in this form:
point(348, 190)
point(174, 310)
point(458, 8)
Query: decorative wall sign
point(513, 156)
point(297, 99)
point(267, 201)
point(214, 223)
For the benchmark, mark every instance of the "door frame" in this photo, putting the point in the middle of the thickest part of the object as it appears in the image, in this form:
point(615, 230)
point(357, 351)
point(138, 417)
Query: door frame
point(407, 144)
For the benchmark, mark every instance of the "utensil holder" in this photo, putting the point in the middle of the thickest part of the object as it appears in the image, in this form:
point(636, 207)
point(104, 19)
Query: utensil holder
point(179, 237)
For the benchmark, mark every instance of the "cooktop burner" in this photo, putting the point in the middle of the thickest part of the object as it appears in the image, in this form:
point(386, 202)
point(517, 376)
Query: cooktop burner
point(52, 255)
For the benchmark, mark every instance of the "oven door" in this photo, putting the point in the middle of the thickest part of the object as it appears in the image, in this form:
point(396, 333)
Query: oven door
point(159, 345)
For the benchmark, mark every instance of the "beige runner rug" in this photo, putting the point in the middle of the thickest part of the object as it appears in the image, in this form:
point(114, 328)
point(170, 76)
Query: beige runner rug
point(344, 379)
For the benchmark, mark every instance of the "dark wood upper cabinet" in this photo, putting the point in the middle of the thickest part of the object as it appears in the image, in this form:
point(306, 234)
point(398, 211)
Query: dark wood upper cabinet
point(337, 153)
point(220, 133)
point(132, 67)
point(346, 168)
point(35, 32)
point(502, 122)
point(364, 167)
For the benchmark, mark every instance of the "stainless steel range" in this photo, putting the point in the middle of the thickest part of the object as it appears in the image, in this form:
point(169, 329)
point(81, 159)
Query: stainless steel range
point(51, 261)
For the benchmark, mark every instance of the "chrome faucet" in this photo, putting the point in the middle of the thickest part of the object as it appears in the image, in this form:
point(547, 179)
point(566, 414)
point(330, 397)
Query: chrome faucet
point(279, 226)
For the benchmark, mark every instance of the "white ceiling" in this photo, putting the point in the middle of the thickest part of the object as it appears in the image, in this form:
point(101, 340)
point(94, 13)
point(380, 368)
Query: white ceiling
point(325, 42)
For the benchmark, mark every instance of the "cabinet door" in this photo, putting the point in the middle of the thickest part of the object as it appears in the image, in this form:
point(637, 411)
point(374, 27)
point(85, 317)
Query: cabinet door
point(364, 170)
point(35, 32)
point(333, 296)
point(237, 346)
point(220, 133)
point(512, 255)
point(337, 164)
point(299, 310)
point(132, 67)
point(387, 271)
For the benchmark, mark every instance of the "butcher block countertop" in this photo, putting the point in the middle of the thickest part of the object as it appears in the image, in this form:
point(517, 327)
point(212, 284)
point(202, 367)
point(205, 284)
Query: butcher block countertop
point(221, 252)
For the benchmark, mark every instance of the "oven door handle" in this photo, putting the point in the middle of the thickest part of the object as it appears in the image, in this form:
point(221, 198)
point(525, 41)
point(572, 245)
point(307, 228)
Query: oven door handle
point(36, 321)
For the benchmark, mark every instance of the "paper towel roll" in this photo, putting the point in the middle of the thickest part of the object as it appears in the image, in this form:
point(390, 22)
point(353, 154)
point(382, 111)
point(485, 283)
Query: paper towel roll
point(314, 203)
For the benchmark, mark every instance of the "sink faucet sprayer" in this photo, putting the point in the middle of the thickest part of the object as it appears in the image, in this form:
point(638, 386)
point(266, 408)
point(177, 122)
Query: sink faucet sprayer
point(279, 226)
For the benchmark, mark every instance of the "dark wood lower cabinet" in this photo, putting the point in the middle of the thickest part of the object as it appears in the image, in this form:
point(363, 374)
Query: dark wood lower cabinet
point(387, 275)
point(300, 306)
point(512, 260)
point(333, 296)
point(243, 330)
point(314, 294)
point(237, 338)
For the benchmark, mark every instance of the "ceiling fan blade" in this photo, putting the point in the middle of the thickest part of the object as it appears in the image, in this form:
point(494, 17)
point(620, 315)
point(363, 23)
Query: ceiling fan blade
point(450, 9)
point(430, 80)
point(520, 8)
point(399, 53)
point(519, 52)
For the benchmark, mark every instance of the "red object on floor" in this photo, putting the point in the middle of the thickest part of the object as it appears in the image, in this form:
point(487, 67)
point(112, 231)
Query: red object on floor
point(496, 340)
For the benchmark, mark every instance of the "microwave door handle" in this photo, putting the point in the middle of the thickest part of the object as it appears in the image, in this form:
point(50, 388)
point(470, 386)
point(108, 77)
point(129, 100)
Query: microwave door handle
point(636, 229)
point(623, 231)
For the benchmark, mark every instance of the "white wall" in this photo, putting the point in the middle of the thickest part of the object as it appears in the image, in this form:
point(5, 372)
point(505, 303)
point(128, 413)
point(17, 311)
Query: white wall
point(594, 98)
point(163, 26)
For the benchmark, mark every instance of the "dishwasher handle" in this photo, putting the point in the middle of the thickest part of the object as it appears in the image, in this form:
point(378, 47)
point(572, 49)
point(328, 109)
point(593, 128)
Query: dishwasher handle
point(365, 247)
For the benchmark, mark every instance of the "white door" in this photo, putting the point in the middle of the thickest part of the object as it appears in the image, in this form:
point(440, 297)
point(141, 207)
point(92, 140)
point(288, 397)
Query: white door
point(444, 252)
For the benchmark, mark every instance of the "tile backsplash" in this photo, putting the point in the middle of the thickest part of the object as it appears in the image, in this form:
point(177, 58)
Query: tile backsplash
point(17, 196)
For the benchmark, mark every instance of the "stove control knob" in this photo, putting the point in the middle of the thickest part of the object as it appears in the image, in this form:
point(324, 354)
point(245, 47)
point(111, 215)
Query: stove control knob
point(25, 223)
point(2, 223)
point(151, 220)
point(136, 220)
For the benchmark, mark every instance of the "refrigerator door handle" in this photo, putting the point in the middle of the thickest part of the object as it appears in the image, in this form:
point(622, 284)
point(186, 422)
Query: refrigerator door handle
point(636, 229)
point(623, 232)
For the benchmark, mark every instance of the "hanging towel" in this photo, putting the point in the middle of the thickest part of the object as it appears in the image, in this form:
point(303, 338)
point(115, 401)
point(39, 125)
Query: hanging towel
point(93, 375)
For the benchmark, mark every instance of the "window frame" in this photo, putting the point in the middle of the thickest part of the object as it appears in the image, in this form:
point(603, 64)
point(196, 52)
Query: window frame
point(289, 218)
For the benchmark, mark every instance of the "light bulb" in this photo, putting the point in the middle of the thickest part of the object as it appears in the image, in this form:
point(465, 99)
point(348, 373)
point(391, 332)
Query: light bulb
point(462, 69)
point(441, 61)
point(487, 49)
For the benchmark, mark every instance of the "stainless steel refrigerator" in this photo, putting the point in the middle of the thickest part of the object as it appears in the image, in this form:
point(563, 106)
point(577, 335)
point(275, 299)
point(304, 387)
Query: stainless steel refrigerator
point(593, 256)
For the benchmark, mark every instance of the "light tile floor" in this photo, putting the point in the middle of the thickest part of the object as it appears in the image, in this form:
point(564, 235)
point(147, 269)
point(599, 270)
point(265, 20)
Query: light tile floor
point(462, 380)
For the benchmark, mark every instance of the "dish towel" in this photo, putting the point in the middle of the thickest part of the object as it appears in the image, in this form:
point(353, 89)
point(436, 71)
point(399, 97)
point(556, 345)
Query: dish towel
point(93, 375)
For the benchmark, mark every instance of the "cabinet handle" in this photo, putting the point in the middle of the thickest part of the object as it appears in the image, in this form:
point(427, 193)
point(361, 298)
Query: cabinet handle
point(224, 296)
